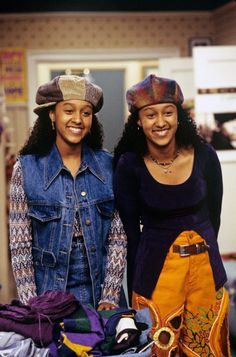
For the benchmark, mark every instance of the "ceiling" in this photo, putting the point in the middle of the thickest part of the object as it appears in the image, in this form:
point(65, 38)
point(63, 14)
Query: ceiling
point(26, 6)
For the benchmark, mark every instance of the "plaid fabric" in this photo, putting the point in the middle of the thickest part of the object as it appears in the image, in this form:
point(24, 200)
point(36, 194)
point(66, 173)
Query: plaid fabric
point(94, 332)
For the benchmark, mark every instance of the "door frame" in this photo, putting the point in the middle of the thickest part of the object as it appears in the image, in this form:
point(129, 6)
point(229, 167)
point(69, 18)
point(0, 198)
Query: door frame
point(96, 56)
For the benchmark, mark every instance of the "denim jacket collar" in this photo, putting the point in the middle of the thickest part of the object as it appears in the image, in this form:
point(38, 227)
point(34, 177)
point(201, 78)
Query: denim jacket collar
point(54, 165)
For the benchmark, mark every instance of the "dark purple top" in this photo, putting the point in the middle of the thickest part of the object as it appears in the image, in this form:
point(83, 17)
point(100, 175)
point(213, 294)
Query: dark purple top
point(165, 211)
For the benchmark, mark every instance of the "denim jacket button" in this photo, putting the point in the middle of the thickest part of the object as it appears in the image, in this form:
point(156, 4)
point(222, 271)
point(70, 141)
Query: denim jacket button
point(87, 222)
point(83, 193)
point(93, 248)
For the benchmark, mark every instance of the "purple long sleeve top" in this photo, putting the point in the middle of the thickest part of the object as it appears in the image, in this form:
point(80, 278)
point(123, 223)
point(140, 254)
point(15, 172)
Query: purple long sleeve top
point(164, 211)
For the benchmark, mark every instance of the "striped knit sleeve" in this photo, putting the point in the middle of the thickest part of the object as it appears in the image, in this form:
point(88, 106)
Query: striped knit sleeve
point(21, 237)
point(116, 262)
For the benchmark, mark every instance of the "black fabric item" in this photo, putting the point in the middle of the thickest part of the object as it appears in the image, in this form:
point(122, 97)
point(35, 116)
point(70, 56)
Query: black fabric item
point(131, 341)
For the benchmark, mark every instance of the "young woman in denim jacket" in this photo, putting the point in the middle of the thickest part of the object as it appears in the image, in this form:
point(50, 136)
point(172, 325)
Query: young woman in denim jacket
point(65, 233)
point(168, 187)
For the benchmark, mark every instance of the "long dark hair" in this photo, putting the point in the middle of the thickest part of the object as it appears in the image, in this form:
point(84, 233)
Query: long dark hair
point(133, 138)
point(42, 136)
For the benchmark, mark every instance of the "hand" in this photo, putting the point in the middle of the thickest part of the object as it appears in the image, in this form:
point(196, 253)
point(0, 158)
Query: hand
point(106, 306)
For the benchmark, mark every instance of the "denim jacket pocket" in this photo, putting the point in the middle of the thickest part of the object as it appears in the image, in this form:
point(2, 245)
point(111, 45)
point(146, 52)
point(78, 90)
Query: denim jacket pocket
point(106, 209)
point(44, 221)
point(44, 213)
point(44, 257)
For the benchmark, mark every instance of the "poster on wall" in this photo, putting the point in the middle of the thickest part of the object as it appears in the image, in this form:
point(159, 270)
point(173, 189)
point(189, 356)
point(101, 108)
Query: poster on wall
point(13, 74)
point(215, 100)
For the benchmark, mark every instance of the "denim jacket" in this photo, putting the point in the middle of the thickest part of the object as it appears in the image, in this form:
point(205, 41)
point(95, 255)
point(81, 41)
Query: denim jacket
point(54, 196)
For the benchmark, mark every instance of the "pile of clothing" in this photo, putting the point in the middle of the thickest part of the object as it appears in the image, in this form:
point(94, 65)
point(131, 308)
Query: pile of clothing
point(55, 324)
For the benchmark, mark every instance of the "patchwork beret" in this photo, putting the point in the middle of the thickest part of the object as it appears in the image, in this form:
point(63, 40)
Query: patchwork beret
point(153, 90)
point(68, 87)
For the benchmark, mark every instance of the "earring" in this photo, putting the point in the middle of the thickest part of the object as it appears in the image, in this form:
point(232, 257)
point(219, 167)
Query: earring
point(53, 125)
point(138, 127)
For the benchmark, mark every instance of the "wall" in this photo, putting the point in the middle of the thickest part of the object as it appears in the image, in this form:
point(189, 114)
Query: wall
point(117, 30)
point(104, 30)
point(226, 237)
point(224, 20)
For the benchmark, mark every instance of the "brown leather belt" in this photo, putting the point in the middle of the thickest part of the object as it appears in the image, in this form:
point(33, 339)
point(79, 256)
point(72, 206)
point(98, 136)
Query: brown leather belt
point(191, 249)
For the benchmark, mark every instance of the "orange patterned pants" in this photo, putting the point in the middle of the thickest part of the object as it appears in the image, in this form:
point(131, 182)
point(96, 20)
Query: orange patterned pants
point(189, 316)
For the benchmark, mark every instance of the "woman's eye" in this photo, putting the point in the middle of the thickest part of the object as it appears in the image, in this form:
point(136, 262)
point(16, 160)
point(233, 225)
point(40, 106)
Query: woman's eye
point(86, 114)
point(150, 116)
point(68, 111)
point(168, 113)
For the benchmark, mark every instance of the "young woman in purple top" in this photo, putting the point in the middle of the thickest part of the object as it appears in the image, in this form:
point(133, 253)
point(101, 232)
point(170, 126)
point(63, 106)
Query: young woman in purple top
point(168, 188)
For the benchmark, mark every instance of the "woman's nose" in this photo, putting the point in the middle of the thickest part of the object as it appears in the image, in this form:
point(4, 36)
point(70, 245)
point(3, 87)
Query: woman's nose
point(76, 118)
point(160, 121)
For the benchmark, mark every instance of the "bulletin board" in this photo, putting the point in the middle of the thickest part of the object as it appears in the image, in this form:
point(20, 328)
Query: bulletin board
point(13, 74)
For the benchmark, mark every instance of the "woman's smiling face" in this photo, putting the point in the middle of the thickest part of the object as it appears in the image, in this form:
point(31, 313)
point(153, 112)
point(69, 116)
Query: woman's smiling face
point(73, 121)
point(159, 123)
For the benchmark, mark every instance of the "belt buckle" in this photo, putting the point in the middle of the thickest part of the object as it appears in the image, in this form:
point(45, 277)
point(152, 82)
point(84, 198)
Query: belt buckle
point(198, 247)
point(182, 252)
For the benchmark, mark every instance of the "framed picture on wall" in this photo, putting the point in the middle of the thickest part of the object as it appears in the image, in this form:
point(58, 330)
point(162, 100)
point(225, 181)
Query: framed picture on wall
point(224, 133)
point(198, 41)
point(219, 129)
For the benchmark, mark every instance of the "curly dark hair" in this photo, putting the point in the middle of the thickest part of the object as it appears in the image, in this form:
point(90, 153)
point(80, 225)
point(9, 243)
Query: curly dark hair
point(42, 136)
point(133, 138)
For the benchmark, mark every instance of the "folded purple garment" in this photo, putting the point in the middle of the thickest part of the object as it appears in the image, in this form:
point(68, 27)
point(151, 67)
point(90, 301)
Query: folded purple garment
point(55, 304)
point(40, 333)
point(36, 319)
